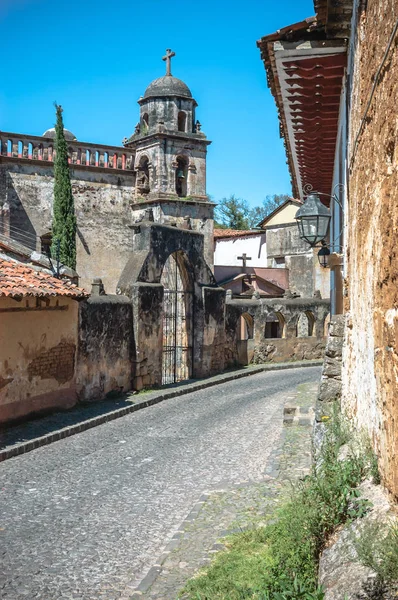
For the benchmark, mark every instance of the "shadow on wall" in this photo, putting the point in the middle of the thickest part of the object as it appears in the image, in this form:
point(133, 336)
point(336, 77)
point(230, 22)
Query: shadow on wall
point(20, 227)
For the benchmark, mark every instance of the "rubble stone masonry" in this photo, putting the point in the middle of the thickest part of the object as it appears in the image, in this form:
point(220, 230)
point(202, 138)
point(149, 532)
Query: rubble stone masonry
point(370, 356)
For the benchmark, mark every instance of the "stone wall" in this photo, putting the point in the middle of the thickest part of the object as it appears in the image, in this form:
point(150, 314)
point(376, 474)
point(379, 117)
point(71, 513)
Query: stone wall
point(305, 273)
point(276, 335)
point(371, 348)
point(330, 387)
point(102, 203)
point(38, 342)
point(105, 349)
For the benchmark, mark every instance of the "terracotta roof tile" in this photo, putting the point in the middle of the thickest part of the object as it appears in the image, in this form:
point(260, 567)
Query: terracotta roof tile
point(18, 279)
point(231, 233)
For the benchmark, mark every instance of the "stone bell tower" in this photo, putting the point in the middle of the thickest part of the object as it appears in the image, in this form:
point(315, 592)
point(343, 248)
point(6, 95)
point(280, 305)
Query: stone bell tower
point(170, 159)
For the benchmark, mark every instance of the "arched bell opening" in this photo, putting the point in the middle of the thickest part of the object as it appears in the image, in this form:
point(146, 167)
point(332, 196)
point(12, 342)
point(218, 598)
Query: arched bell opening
point(181, 177)
point(145, 122)
point(178, 299)
point(142, 180)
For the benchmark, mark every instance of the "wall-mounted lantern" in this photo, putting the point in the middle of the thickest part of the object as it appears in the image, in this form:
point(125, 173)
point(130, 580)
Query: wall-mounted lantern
point(313, 220)
point(323, 255)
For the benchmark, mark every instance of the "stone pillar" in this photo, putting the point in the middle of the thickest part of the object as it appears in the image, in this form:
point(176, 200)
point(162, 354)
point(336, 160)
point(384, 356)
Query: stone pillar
point(147, 299)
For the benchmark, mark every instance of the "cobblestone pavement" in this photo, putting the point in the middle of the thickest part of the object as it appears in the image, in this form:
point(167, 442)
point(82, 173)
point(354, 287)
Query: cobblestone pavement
point(86, 517)
point(235, 508)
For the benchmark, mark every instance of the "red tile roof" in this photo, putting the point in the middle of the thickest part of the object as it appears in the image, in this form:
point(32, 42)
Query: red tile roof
point(17, 280)
point(306, 88)
point(232, 233)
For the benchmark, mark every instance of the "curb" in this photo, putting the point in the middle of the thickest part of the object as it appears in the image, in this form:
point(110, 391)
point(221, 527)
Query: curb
point(65, 432)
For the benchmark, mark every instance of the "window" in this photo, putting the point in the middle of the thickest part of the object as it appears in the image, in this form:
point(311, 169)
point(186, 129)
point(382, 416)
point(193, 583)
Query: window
point(182, 121)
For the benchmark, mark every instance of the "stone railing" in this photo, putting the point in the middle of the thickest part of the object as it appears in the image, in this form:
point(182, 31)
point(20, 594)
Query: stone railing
point(32, 147)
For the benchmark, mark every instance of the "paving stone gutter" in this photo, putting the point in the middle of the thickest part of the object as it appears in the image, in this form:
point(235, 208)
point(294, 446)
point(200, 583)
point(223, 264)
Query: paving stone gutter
point(134, 402)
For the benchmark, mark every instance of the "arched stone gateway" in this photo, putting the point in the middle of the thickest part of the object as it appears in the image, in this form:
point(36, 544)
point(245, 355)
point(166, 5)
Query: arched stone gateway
point(178, 309)
point(178, 332)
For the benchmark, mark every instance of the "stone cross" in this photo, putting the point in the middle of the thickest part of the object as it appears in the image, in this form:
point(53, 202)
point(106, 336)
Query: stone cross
point(167, 58)
point(244, 258)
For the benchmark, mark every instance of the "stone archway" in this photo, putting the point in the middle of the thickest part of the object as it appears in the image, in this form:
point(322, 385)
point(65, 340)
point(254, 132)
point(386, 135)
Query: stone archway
point(141, 280)
point(178, 301)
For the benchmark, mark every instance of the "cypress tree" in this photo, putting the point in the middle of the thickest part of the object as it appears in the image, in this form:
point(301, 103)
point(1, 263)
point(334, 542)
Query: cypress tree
point(64, 218)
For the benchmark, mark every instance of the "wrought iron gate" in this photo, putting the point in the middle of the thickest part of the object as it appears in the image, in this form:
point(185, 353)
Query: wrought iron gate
point(178, 304)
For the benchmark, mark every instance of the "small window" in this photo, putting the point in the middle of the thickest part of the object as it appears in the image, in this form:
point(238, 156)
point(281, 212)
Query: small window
point(182, 121)
point(279, 262)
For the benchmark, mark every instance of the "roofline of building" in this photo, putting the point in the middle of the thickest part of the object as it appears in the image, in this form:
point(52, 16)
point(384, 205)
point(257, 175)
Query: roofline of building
point(278, 209)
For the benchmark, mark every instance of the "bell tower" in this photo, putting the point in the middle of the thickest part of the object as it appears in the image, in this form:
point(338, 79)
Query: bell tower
point(170, 158)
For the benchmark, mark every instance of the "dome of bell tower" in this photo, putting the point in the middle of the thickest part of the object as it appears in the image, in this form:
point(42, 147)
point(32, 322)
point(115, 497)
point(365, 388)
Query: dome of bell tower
point(167, 86)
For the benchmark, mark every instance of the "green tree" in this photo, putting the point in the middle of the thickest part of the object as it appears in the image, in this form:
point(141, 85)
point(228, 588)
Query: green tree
point(235, 213)
point(64, 218)
point(232, 213)
point(269, 204)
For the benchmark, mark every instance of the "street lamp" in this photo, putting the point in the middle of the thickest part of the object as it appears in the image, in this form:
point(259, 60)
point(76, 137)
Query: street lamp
point(313, 220)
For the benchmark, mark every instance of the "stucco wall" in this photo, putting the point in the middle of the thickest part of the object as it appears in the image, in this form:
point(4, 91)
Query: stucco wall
point(371, 348)
point(286, 215)
point(37, 355)
point(226, 251)
point(101, 204)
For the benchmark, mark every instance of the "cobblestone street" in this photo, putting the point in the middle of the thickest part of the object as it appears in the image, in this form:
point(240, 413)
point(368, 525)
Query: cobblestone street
point(88, 516)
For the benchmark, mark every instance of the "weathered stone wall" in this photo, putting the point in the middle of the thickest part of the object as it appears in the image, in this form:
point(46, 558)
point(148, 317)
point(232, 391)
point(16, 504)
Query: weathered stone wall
point(305, 273)
point(330, 387)
point(102, 204)
point(289, 346)
point(196, 215)
point(38, 341)
point(371, 349)
point(105, 349)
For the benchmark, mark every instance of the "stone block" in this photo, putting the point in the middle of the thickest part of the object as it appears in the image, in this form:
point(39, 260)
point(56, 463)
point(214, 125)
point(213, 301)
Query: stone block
point(337, 325)
point(138, 384)
point(334, 347)
point(330, 389)
point(146, 380)
point(332, 367)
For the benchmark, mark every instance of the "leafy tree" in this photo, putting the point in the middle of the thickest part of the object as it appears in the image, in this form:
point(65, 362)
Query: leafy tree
point(235, 213)
point(64, 218)
point(232, 213)
point(269, 204)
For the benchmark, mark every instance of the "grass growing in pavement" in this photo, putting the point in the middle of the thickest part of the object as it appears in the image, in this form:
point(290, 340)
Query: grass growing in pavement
point(279, 561)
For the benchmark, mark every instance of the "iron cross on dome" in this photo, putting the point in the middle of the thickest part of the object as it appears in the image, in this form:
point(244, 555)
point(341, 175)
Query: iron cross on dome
point(167, 58)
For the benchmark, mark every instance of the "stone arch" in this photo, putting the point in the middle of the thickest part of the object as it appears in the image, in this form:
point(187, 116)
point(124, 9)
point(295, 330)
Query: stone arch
point(305, 324)
point(177, 319)
point(245, 327)
point(275, 326)
point(326, 325)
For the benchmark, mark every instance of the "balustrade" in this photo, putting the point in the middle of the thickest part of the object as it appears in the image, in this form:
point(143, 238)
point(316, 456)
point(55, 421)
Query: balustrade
point(89, 155)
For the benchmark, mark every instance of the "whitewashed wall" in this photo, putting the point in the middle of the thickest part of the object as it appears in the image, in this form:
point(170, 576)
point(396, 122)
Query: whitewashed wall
point(227, 251)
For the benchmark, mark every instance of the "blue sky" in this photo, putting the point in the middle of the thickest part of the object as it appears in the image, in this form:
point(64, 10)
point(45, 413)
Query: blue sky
point(96, 57)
